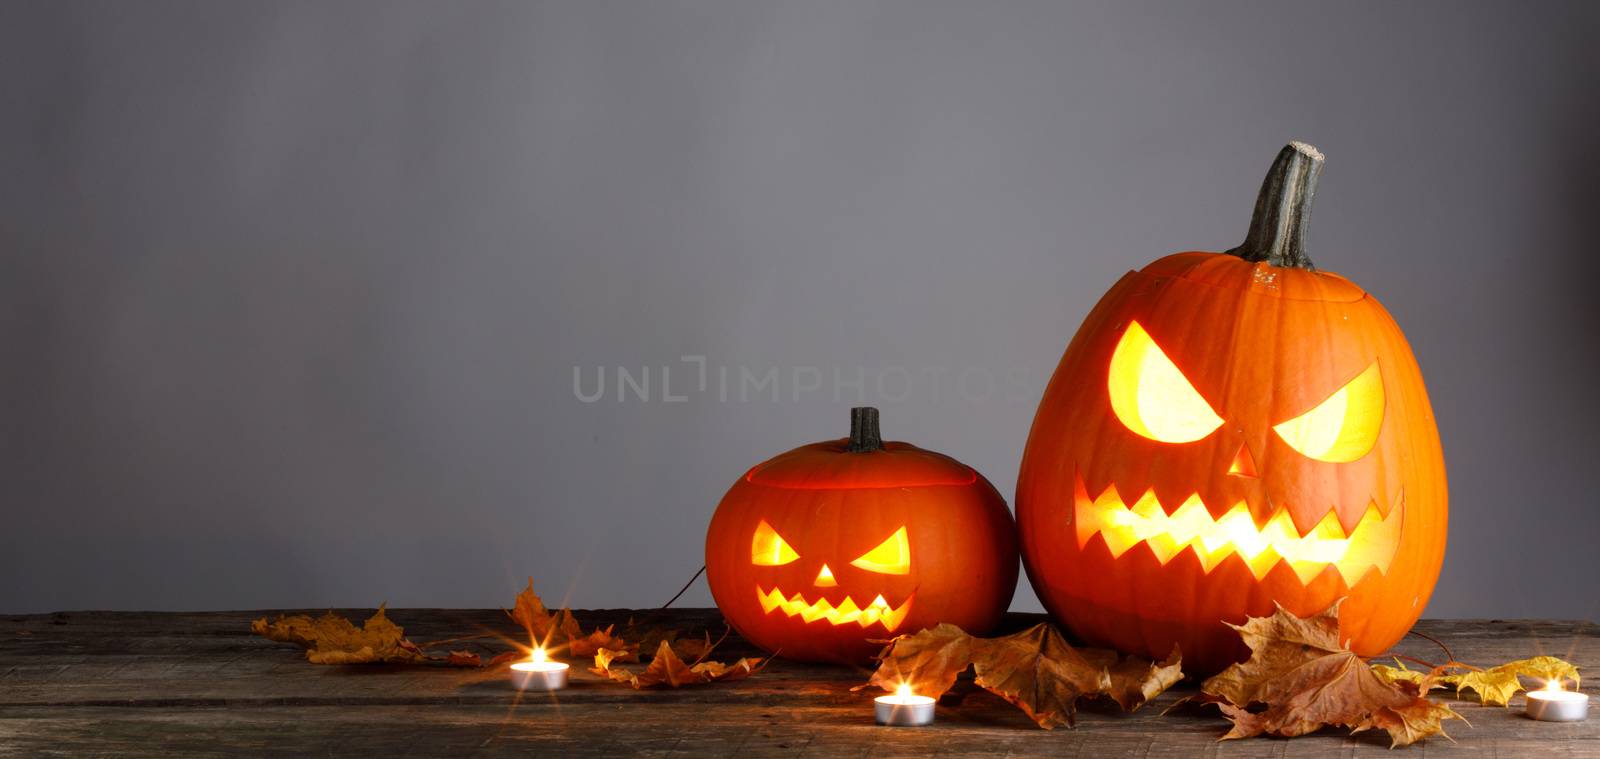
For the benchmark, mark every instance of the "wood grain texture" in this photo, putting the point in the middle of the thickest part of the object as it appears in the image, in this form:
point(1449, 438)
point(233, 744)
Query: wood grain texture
point(199, 684)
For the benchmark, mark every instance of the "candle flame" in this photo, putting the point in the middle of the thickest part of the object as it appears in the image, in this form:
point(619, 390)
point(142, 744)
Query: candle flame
point(904, 691)
point(538, 656)
point(1553, 685)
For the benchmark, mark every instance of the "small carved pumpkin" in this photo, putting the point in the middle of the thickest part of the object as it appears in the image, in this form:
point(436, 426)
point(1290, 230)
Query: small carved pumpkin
point(818, 551)
point(1230, 430)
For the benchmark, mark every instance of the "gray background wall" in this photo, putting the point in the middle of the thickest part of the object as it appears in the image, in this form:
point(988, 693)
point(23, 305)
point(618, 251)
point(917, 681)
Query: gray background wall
point(293, 293)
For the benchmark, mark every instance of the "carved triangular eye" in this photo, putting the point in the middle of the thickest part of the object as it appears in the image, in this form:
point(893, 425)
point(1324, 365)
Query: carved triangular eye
point(769, 549)
point(1151, 396)
point(1342, 428)
point(891, 557)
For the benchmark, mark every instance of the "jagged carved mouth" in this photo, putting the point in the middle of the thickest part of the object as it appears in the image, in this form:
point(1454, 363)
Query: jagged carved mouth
point(847, 612)
point(1371, 545)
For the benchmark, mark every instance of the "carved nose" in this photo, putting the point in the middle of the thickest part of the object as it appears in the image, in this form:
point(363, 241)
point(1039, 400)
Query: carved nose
point(825, 578)
point(1244, 465)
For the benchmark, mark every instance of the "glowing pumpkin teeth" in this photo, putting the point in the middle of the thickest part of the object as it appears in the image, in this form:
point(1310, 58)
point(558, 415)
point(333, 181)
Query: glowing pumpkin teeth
point(1369, 546)
point(847, 612)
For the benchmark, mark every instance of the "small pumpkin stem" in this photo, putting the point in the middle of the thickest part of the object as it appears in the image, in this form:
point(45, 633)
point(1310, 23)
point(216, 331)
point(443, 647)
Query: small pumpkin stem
point(1283, 209)
point(864, 434)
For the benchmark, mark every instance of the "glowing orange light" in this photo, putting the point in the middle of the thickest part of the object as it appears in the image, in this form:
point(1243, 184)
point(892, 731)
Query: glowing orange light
point(1244, 465)
point(1151, 396)
point(538, 656)
point(825, 578)
point(904, 691)
point(1343, 427)
point(769, 549)
point(1191, 527)
point(846, 612)
point(891, 557)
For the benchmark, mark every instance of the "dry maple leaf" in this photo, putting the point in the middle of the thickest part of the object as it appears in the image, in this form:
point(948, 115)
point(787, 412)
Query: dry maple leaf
point(529, 612)
point(667, 670)
point(1495, 686)
point(1134, 681)
point(649, 638)
point(560, 628)
point(1041, 674)
point(694, 649)
point(591, 644)
point(928, 661)
point(1036, 670)
point(1400, 674)
point(332, 639)
point(1308, 680)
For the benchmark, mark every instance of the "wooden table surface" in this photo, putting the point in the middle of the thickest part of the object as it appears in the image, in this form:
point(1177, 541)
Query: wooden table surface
point(200, 684)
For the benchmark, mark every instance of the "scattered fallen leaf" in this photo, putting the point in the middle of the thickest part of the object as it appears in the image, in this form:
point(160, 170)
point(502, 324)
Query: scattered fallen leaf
point(928, 661)
point(1036, 670)
point(693, 649)
point(1040, 673)
point(1308, 680)
point(332, 639)
point(1496, 685)
point(1134, 681)
point(667, 670)
point(1400, 674)
point(649, 638)
point(529, 612)
point(560, 631)
point(590, 644)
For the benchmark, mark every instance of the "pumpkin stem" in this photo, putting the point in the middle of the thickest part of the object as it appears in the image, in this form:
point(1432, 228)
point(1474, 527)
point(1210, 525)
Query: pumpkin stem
point(1283, 209)
point(864, 435)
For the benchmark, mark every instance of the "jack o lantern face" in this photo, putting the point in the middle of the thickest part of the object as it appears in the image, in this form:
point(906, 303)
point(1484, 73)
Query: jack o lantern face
point(1222, 435)
point(891, 557)
point(1153, 399)
point(819, 552)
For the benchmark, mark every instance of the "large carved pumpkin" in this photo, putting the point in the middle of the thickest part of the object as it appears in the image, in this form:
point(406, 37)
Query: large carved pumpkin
point(818, 551)
point(1230, 430)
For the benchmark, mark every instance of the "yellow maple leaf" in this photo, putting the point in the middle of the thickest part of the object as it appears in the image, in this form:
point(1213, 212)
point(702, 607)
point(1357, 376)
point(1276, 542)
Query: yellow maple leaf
point(1495, 686)
point(332, 639)
point(1400, 674)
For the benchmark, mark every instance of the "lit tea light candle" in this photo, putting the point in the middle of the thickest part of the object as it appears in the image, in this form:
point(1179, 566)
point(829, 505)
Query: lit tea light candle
point(539, 673)
point(1553, 704)
point(903, 709)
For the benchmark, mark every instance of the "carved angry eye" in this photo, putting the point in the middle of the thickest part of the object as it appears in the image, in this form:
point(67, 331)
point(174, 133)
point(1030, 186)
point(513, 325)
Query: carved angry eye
point(769, 549)
point(1152, 397)
point(891, 557)
point(1342, 428)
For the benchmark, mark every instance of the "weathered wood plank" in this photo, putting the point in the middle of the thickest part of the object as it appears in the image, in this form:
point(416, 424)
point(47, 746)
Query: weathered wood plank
point(144, 684)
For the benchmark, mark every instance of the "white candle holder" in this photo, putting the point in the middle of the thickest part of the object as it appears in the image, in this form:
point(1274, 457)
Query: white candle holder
point(1553, 704)
point(539, 673)
point(903, 709)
